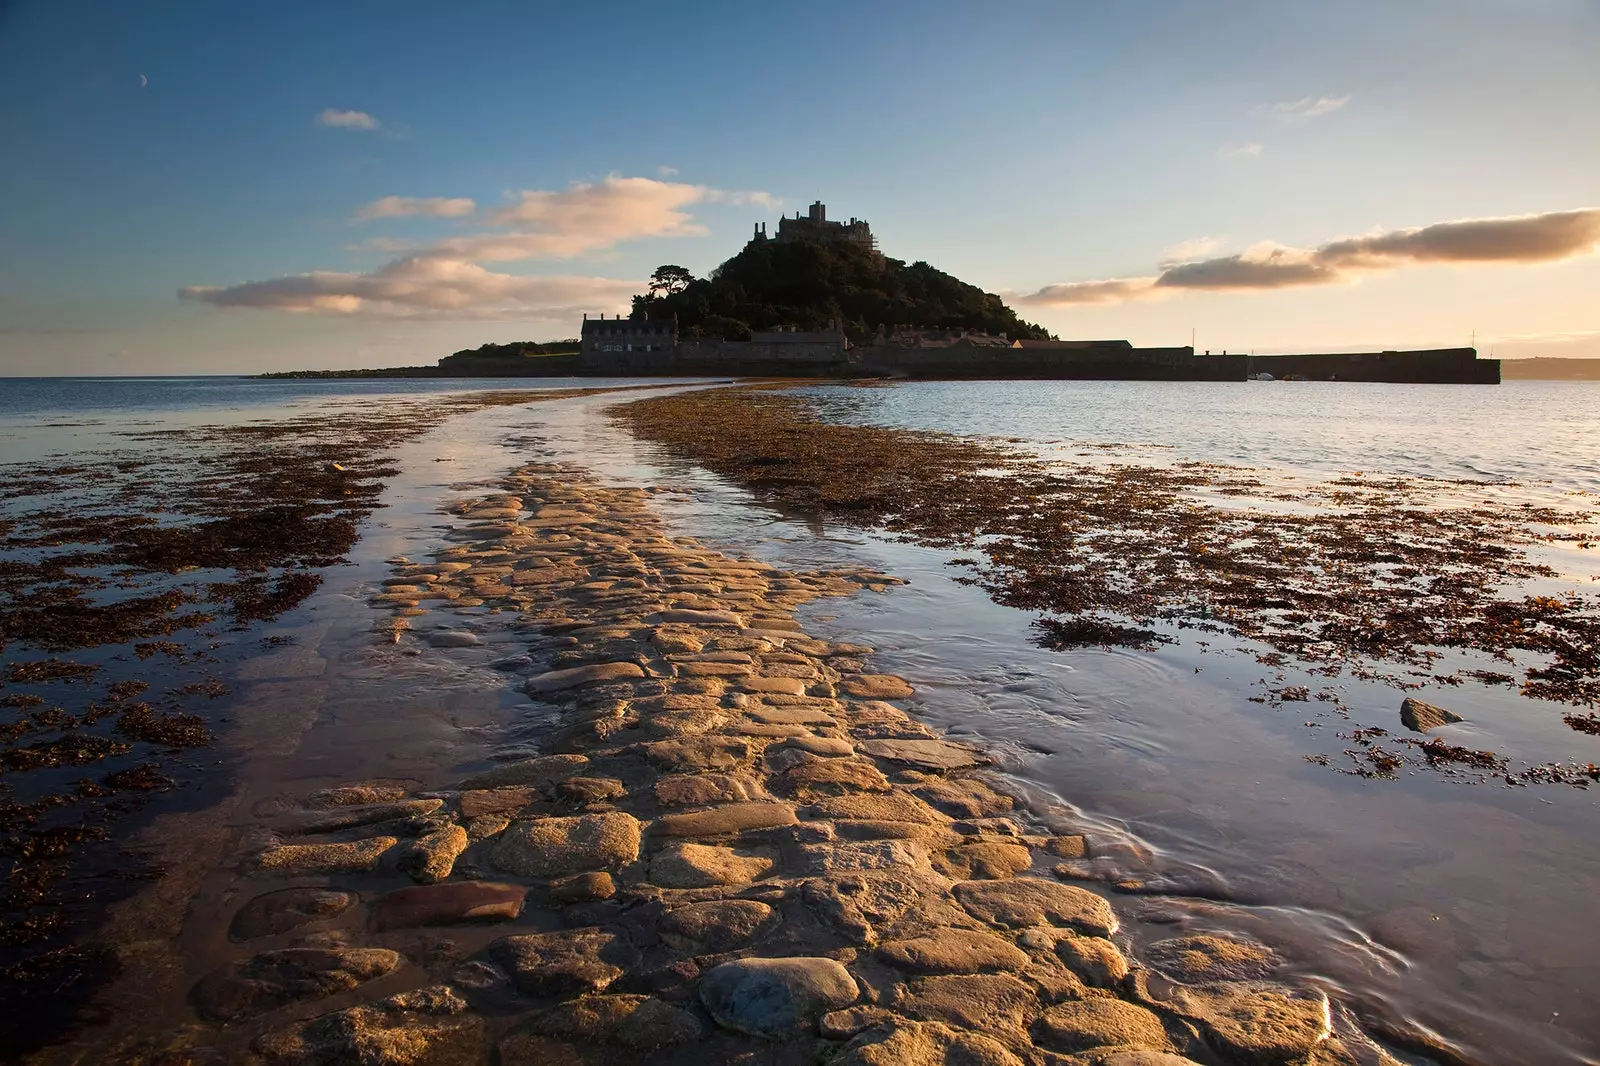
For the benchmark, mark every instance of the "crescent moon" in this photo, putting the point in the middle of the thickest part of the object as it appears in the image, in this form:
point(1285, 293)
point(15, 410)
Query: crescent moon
point(143, 81)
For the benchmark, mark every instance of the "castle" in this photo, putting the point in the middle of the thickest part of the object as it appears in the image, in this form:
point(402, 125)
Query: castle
point(816, 226)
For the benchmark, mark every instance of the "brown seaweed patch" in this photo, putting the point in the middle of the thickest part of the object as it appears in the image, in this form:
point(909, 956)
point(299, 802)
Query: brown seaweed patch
point(141, 722)
point(1088, 631)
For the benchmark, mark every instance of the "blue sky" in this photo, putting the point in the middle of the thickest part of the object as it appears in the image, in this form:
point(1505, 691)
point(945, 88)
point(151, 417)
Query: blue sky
point(1026, 147)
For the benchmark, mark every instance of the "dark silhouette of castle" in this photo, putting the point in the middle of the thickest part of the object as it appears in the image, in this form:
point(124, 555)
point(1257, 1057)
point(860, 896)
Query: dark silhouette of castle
point(816, 226)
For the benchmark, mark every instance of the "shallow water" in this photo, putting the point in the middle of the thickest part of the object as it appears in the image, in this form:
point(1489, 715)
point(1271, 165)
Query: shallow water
point(1465, 907)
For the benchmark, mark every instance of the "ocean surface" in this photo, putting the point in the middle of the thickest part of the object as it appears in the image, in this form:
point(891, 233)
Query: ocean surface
point(1463, 907)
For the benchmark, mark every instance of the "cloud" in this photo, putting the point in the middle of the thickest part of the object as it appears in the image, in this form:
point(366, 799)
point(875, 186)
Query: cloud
point(666, 172)
point(425, 206)
point(1190, 250)
point(1241, 151)
point(445, 278)
point(423, 287)
point(1307, 108)
point(1539, 238)
point(346, 120)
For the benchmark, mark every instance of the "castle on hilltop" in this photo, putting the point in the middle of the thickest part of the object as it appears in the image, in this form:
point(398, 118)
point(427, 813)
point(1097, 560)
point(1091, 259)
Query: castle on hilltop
point(816, 226)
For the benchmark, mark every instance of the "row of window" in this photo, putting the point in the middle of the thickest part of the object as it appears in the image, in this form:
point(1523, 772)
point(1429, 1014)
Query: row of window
point(625, 347)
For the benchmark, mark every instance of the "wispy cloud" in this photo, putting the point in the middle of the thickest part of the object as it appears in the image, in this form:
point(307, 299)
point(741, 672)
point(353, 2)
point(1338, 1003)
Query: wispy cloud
point(1190, 250)
point(1516, 239)
point(1307, 108)
point(1241, 151)
point(665, 172)
point(425, 206)
point(445, 277)
point(346, 120)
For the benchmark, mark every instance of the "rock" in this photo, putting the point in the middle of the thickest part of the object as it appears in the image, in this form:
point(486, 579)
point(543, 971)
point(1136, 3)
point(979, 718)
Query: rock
point(858, 903)
point(935, 756)
point(287, 908)
point(705, 866)
point(853, 856)
point(790, 686)
point(357, 857)
point(697, 790)
point(431, 857)
point(776, 997)
point(877, 687)
point(1419, 717)
point(570, 962)
point(965, 797)
point(1255, 1027)
point(642, 1023)
point(273, 978)
point(1094, 959)
point(585, 790)
point(817, 777)
point(427, 1027)
point(478, 802)
point(943, 951)
point(826, 747)
point(354, 817)
point(542, 772)
point(362, 794)
point(1019, 902)
point(887, 807)
point(717, 926)
point(843, 1024)
point(452, 638)
point(1135, 1058)
point(448, 904)
point(1068, 847)
point(971, 1001)
point(695, 754)
point(1100, 1021)
point(550, 847)
point(583, 888)
point(575, 676)
point(729, 818)
point(1200, 959)
point(900, 1043)
point(984, 860)
point(698, 618)
point(485, 826)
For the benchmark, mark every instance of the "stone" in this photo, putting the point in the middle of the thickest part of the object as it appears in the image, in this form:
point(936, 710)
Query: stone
point(795, 715)
point(642, 1023)
point(1099, 1021)
point(1138, 1058)
point(358, 856)
point(776, 997)
point(714, 669)
point(694, 754)
point(427, 1027)
point(486, 826)
point(448, 904)
point(854, 856)
point(539, 773)
point(1256, 1027)
point(1073, 846)
point(901, 1043)
point(432, 856)
point(273, 978)
point(716, 926)
point(817, 777)
point(932, 837)
point(478, 802)
point(1419, 717)
point(934, 756)
point(1200, 959)
point(698, 790)
point(1019, 902)
point(576, 676)
point(984, 860)
point(887, 807)
point(569, 962)
point(588, 887)
point(362, 794)
point(970, 1001)
point(843, 1024)
point(705, 866)
point(550, 847)
point(877, 687)
point(585, 790)
point(964, 797)
point(788, 686)
point(944, 951)
point(1095, 960)
point(729, 818)
point(287, 908)
point(857, 904)
point(698, 618)
point(355, 817)
point(452, 638)
point(826, 747)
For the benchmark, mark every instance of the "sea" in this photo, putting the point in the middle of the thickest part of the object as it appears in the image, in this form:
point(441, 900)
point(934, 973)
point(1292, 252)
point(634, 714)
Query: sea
point(1459, 906)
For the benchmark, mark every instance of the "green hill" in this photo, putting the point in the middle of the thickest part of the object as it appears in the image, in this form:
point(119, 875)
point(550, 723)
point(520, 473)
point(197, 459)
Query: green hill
point(810, 285)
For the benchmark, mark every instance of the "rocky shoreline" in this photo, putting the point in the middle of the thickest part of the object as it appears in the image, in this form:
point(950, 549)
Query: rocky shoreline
point(725, 841)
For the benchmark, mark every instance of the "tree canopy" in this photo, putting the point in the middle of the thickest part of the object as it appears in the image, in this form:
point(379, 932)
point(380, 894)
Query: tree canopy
point(810, 285)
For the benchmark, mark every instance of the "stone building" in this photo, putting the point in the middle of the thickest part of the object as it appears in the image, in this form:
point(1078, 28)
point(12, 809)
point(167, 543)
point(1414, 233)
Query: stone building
point(816, 226)
point(604, 338)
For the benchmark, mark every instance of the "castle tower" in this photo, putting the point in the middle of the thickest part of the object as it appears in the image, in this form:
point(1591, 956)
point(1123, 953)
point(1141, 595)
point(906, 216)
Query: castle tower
point(819, 212)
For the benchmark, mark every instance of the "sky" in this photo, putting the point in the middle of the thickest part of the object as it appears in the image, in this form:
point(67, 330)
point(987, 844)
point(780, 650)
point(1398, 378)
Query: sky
point(220, 187)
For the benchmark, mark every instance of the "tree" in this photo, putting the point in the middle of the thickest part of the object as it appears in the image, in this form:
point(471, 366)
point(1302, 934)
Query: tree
point(670, 280)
